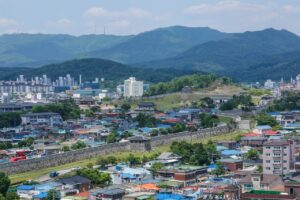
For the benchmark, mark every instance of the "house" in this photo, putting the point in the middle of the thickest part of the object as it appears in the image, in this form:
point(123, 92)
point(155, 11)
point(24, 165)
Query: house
point(166, 158)
point(76, 182)
point(228, 144)
point(183, 173)
point(263, 195)
point(278, 157)
point(145, 107)
point(254, 142)
point(262, 129)
point(232, 164)
point(26, 191)
point(45, 118)
point(108, 193)
point(139, 196)
point(258, 181)
point(228, 153)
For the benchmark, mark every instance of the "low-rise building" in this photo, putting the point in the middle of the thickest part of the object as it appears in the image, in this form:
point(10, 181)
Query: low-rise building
point(45, 118)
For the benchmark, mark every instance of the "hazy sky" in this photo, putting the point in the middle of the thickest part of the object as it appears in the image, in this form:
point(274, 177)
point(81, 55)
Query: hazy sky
point(133, 16)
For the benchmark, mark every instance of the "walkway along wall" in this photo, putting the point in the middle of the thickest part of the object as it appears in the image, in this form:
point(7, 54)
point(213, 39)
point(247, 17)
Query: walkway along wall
point(72, 156)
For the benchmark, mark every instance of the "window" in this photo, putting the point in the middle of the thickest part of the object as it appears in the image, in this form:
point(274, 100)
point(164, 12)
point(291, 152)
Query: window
point(268, 168)
point(277, 161)
point(248, 186)
point(255, 179)
point(268, 161)
point(285, 154)
point(284, 147)
point(285, 161)
point(277, 154)
point(277, 168)
point(268, 154)
point(277, 148)
point(285, 168)
point(262, 186)
point(268, 147)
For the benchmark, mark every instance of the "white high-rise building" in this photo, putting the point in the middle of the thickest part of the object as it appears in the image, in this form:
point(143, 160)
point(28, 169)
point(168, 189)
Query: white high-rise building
point(133, 88)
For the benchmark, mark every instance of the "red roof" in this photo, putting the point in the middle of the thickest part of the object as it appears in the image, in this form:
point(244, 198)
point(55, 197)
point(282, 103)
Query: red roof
point(251, 135)
point(271, 132)
point(174, 120)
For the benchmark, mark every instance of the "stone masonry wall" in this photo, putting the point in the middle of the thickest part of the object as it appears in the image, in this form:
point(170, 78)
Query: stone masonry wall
point(72, 156)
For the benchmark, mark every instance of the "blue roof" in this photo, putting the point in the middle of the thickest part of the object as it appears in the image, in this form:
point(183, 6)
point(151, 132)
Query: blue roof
point(231, 152)
point(293, 125)
point(170, 196)
point(163, 126)
point(25, 187)
point(212, 166)
point(41, 195)
point(274, 113)
point(263, 127)
point(127, 175)
point(146, 129)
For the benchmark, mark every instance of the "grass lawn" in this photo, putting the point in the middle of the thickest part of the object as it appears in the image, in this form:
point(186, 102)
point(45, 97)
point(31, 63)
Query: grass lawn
point(18, 178)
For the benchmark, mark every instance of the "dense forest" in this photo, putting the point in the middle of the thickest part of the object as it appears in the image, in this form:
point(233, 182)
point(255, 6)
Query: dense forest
point(288, 101)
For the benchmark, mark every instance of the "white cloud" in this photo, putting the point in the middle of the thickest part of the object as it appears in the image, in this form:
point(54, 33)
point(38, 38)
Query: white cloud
point(64, 23)
point(223, 6)
point(102, 12)
point(7, 22)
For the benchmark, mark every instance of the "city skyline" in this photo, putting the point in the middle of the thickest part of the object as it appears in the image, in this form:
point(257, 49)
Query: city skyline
point(132, 16)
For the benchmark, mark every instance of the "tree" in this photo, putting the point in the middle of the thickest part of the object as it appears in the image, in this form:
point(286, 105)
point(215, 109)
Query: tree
point(145, 120)
point(52, 195)
point(126, 107)
point(112, 137)
point(211, 150)
point(28, 142)
point(102, 162)
point(4, 183)
point(2, 197)
point(252, 154)
point(12, 196)
point(259, 169)
point(220, 169)
point(111, 160)
point(155, 167)
point(97, 178)
point(208, 121)
point(89, 113)
point(66, 148)
point(265, 119)
point(90, 165)
point(10, 119)
point(78, 145)
point(133, 160)
point(154, 132)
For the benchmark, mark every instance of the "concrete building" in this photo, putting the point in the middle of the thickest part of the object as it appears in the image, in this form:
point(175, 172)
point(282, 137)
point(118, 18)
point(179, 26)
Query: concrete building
point(133, 88)
point(278, 157)
point(45, 118)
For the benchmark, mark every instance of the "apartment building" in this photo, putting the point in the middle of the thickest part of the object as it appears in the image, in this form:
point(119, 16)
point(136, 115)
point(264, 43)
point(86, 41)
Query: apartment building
point(278, 157)
point(133, 88)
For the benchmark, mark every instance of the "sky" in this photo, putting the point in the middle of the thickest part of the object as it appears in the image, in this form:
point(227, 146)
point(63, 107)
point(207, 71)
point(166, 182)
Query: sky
point(124, 17)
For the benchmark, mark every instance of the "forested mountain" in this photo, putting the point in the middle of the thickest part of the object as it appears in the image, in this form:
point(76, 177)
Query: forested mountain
point(92, 68)
point(239, 54)
point(159, 43)
point(33, 50)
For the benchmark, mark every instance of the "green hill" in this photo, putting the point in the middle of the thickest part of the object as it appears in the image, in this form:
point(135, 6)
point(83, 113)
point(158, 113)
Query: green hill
point(92, 68)
point(237, 54)
point(33, 50)
point(159, 43)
